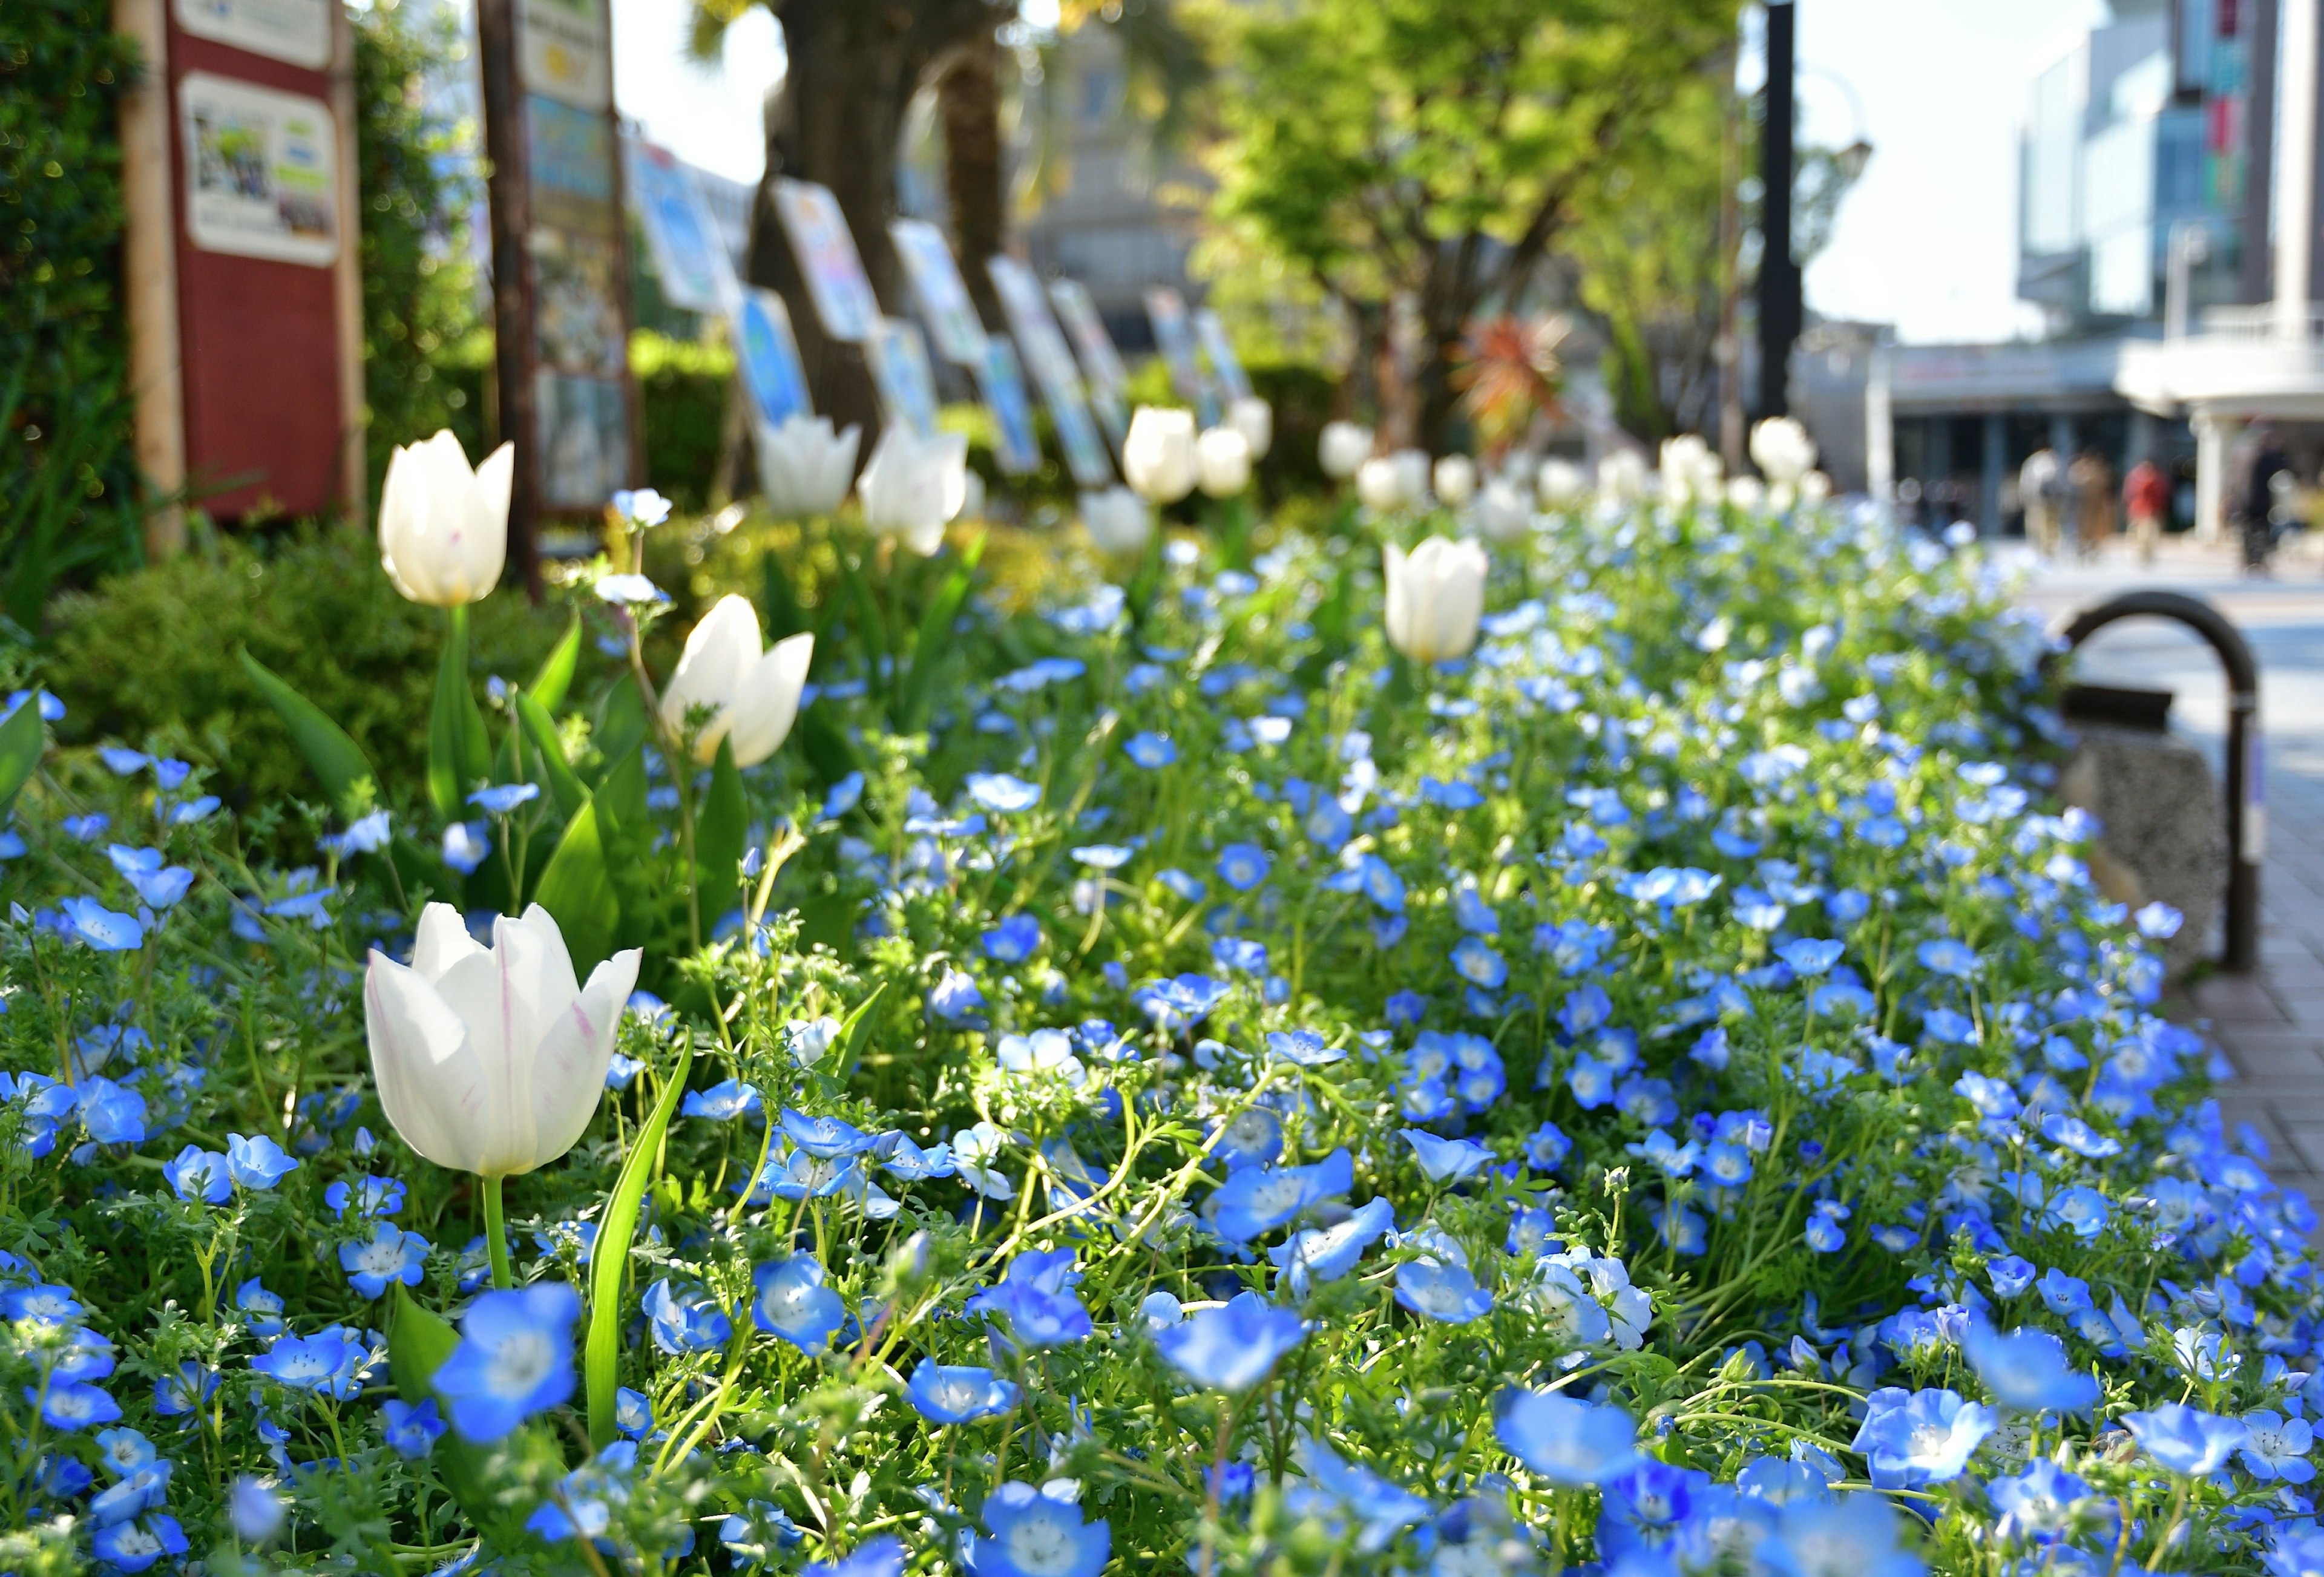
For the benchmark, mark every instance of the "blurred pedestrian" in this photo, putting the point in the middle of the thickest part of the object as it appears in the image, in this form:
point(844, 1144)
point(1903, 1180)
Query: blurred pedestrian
point(2255, 498)
point(2145, 499)
point(2093, 484)
point(2041, 490)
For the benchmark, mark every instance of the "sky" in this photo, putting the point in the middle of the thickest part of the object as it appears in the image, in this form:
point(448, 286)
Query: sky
point(1926, 241)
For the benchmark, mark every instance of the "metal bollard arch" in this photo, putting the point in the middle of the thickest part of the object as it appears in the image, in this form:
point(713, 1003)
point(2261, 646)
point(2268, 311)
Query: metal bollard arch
point(2247, 809)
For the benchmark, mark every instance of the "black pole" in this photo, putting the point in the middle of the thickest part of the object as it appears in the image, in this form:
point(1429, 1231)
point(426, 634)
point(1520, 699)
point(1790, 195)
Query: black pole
point(1780, 311)
point(2246, 813)
point(509, 196)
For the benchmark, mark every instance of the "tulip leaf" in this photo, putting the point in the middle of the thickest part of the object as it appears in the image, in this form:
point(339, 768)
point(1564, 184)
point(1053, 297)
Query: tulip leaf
point(608, 1261)
point(620, 722)
point(781, 610)
point(556, 676)
point(337, 759)
point(565, 786)
point(577, 889)
point(21, 741)
point(719, 831)
point(851, 1032)
point(459, 755)
point(934, 640)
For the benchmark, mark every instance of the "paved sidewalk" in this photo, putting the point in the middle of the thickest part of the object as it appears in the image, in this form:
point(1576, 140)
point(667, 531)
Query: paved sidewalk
point(2271, 1024)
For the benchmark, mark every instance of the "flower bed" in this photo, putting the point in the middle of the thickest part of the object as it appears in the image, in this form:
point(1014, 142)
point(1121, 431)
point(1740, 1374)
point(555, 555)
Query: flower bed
point(1658, 1091)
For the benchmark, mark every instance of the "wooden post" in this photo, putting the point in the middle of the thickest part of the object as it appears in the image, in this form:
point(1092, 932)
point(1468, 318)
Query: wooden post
point(508, 188)
point(347, 280)
point(149, 277)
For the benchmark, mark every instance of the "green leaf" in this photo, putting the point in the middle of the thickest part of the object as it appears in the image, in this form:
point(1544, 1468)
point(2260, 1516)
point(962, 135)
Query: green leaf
point(781, 606)
point(556, 676)
point(622, 723)
point(337, 759)
point(934, 642)
point(609, 1262)
point(719, 831)
point(577, 889)
point(21, 741)
point(565, 786)
point(852, 1033)
point(452, 771)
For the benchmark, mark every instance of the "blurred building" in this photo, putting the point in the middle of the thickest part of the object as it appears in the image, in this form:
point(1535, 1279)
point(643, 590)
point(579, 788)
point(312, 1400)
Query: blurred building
point(2155, 184)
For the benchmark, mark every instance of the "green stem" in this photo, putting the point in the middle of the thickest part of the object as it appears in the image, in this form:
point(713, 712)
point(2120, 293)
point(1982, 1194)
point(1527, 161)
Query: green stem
point(496, 1234)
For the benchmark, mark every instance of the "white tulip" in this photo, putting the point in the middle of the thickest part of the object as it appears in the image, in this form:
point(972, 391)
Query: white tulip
point(756, 693)
point(1344, 448)
point(1223, 462)
point(1746, 493)
point(1560, 483)
point(1435, 596)
point(913, 486)
point(1690, 471)
point(972, 496)
point(1503, 512)
point(1412, 470)
point(443, 528)
point(1622, 476)
point(1782, 450)
point(1117, 519)
point(804, 466)
point(1456, 478)
point(1378, 487)
point(491, 1060)
point(1254, 418)
point(1814, 487)
point(1158, 456)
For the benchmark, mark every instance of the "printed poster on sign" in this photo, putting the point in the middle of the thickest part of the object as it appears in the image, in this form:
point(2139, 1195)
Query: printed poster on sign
point(576, 316)
point(827, 259)
point(584, 439)
point(770, 357)
point(1045, 353)
point(1167, 310)
point(952, 323)
point(688, 256)
point(1102, 367)
point(906, 380)
point(1001, 380)
point(296, 32)
point(563, 51)
point(1225, 364)
point(570, 152)
point(262, 171)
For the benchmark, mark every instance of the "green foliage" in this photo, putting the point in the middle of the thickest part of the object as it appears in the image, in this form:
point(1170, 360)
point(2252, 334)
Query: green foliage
point(68, 481)
point(682, 391)
point(155, 655)
point(419, 299)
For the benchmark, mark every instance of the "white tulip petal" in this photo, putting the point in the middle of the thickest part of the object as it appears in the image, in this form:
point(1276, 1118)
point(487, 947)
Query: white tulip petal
point(442, 941)
point(430, 1082)
point(770, 700)
point(575, 1047)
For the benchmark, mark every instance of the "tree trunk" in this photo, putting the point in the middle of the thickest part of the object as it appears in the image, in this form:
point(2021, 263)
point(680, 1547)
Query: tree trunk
point(836, 121)
point(968, 96)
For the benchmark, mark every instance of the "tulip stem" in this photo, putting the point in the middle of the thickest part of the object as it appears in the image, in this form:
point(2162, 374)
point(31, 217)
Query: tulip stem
point(496, 1233)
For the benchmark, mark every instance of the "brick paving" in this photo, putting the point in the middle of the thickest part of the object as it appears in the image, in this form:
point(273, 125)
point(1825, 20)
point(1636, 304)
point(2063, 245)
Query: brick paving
point(2270, 1024)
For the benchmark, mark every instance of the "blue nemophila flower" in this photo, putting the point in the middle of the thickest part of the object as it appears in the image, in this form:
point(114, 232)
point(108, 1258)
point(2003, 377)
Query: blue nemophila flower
point(1921, 1437)
point(1446, 1161)
point(1669, 886)
point(1039, 1533)
point(1475, 961)
point(1102, 856)
point(1002, 793)
point(113, 1114)
point(1036, 1295)
point(2274, 1447)
point(1184, 887)
point(200, 1174)
point(1567, 1440)
point(958, 1393)
point(133, 1546)
point(254, 1509)
point(790, 1300)
point(954, 998)
point(502, 799)
point(412, 1432)
point(365, 1196)
point(881, 1557)
point(257, 1162)
point(177, 1394)
point(2072, 1133)
point(1151, 751)
point(1809, 957)
point(122, 1451)
point(1180, 1002)
point(467, 844)
point(1824, 1232)
point(1243, 866)
point(1835, 1536)
point(2039, 1503)
point(1233, 1347)
point(74, 1405)
point(1258, 1199)
point(158, 885)
point(1013, 940)
point(100, 928)
point(388, 1256)
point(628, 590)
point(2028, 1371)
point(1447, 1293)
point(825, 1137)
point(1326, 1254)
point(1254, 1138)
point(1949, 956)
point(328, 1362)
point(2185, 1440)
point(688, 1323)
point(641, 506)
point(515, 1359)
